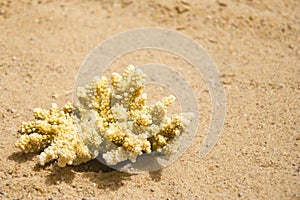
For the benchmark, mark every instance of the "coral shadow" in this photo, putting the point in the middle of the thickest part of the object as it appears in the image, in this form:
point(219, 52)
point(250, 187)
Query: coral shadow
point(112, 180)
point(21, 157)
point(104, 176)
point(156, 175)
point(98, 173)
point(95, 171)
point(59, 175)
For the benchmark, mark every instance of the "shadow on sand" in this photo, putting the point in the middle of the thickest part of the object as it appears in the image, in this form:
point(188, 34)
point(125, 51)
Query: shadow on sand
point(98, 173)
point(21, 157)
point(95, 171)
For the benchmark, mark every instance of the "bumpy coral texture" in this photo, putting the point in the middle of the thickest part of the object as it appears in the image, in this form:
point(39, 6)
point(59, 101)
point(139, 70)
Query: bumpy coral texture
point(54, 132)
point(115, 122)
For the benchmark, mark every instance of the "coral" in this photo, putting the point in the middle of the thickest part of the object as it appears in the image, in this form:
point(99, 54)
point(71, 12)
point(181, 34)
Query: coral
point(54, 131)
point(115, 122)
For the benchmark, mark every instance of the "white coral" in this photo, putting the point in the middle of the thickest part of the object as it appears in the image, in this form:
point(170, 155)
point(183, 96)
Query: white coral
point(116, 122)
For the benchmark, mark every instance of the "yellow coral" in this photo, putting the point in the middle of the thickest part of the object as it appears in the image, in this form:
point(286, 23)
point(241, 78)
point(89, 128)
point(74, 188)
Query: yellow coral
point(116, 122)
point(54, 132)
point(129, 142)
point(115, 79)
point(167, 132)
point(33, 142)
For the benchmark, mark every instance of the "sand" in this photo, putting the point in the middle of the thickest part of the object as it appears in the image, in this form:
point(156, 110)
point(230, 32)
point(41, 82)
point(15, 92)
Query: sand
point(256, 46)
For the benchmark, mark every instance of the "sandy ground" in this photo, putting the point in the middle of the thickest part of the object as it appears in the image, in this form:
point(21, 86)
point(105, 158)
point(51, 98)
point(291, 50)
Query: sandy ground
point(256, 46)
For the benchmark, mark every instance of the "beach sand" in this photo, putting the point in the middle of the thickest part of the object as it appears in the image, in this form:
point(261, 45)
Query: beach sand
point(256, 47)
